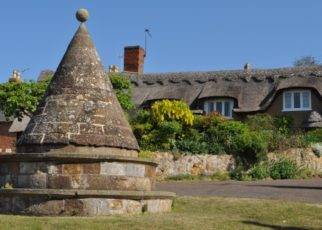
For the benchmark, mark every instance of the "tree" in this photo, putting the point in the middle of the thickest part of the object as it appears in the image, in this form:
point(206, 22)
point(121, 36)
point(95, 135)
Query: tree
point(123, 90)
point(306, 61)
point(20, 99)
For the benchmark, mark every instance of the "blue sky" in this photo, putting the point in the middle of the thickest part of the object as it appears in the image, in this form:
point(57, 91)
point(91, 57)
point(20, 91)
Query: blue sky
point(187, 35)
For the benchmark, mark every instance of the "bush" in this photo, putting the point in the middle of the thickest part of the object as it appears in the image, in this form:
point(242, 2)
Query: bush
point(314, 136)
point(249, 147)
point(260, 122)
point(239, 174)
point(283, 124)
point(192, 146)
point(260, 171)
point(283, 168)
point(167, 110)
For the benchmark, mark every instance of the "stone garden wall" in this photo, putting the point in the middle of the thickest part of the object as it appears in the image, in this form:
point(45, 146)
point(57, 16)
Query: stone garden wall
point(307, 157)
point(172, 165)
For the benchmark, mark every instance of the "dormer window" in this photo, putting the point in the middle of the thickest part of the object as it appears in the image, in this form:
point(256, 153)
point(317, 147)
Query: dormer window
point(297, 100)
point(222, 106)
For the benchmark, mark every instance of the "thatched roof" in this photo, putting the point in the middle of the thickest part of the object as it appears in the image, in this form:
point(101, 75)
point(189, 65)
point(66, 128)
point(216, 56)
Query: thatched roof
point(314, 120)
point(19, 125)
point(253, 90)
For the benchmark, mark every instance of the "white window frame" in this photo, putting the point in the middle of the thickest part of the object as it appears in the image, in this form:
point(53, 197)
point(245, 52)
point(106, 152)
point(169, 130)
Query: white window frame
point(292, 92)
point(215, 101)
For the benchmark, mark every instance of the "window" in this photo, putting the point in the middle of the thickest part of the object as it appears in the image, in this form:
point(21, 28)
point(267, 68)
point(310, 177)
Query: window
point(224, 107)
point(297, 100)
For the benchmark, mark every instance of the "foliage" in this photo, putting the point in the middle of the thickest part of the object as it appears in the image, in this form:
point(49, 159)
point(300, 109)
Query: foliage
point(19, 99)
point(236, 138)
point(283, 168)
point(283, 124)
point(159, 129)
point(306, 61)
point(260, 171)
point(260, 122)
point(123, 90)
point(167, 110)
point(239, 173)
point(314, 136)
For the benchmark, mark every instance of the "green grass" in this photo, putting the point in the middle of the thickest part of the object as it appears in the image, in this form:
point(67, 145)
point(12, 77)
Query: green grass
point(191, 213)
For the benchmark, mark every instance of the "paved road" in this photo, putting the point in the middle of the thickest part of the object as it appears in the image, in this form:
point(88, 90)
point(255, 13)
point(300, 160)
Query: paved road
point(294, 190)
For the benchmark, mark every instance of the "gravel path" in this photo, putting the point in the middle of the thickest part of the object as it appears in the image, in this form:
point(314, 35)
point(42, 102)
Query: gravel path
point(294, 190)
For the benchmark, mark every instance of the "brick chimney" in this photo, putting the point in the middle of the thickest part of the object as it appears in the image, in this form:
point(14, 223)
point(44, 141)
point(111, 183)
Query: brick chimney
point(134, 59)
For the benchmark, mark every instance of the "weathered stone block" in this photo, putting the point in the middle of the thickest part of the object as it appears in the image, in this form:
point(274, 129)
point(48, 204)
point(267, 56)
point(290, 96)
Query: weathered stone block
point(117, 169)
point(47, 208)
point(74, 207)
point(59, 182)
point(38, 180)
point(13, 167)
point(28, 167)
point(135, 170)
point(19, 204)
point(53, 168)
point(5, 204)
point(72, 169)
point(4, 169)
point(92, 168)
point(155, 206)
point(150, 171)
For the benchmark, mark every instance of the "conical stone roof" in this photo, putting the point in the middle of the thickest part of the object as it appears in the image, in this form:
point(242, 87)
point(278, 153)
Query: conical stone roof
point(79, 107)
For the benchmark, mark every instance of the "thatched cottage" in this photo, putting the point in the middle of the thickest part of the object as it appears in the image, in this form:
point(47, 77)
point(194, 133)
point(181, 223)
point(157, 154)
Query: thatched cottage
point(296, 92)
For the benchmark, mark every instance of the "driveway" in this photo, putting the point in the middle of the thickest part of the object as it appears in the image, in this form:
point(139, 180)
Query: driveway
point(292, 190)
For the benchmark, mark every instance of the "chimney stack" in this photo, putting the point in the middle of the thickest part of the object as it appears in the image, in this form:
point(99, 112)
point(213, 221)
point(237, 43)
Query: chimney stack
point(247, 67)
point(134, 59)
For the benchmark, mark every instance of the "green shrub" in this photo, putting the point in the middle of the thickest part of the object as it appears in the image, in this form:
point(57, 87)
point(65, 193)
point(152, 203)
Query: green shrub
point(314, 136)
point(167, 110)
point(192, 146)
point(260, 122)
point(249, 147)
point(260, 171)
point(239, 174)
point(283, 124)
point(304, 173)
point(283, 168)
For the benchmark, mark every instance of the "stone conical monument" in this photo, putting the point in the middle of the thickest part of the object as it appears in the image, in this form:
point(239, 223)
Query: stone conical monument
point(78, 155)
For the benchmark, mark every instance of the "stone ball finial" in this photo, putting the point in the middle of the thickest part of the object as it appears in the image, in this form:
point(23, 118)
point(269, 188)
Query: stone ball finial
point(82, 15)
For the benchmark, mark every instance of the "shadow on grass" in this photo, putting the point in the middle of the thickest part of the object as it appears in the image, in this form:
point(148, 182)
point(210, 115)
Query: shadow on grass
point(286, 186)
point(274, 227)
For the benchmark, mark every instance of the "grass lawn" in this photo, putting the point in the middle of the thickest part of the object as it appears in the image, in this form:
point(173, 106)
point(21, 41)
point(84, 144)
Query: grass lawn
point(191, 213)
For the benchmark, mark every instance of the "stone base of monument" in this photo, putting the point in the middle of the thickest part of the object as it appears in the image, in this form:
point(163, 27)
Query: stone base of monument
point(82, 202)
point(79, 184)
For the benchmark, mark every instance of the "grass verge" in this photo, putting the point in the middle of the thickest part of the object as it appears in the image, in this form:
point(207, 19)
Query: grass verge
point(190, 213)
